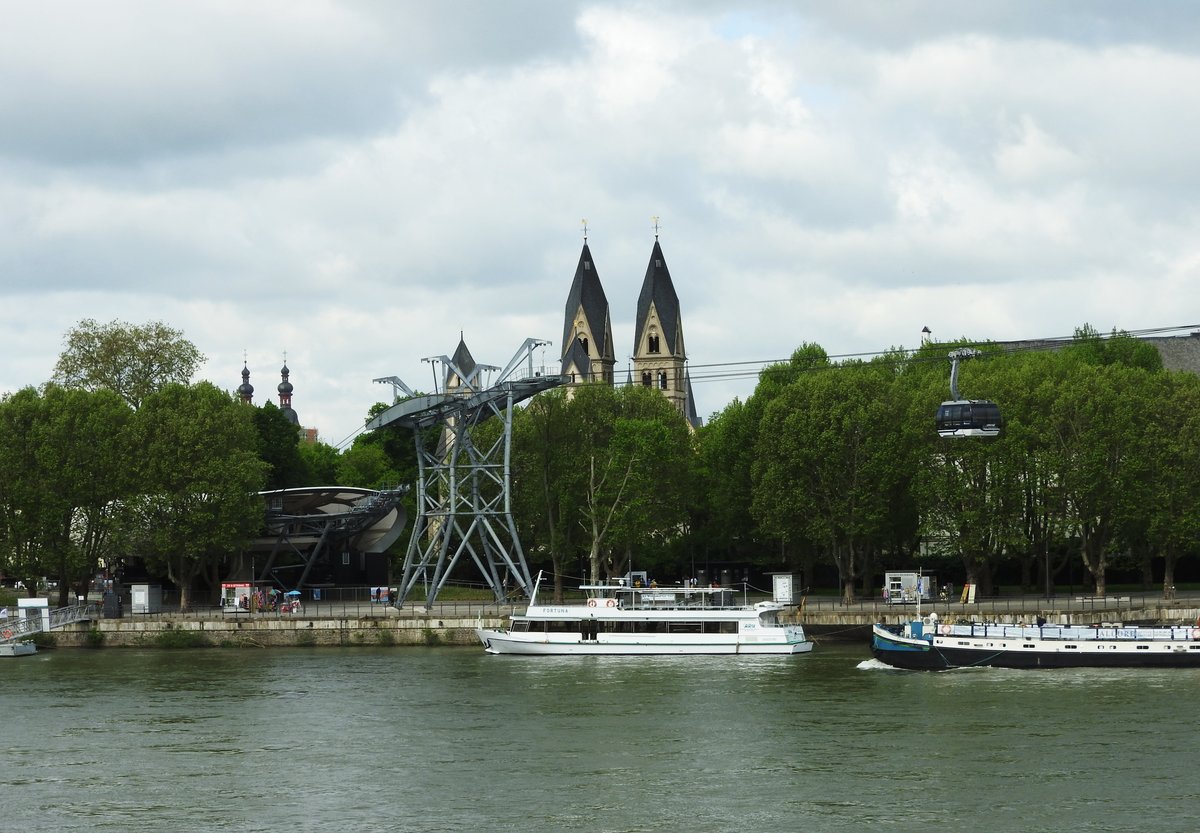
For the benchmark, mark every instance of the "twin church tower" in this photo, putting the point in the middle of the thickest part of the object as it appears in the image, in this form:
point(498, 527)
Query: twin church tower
point(659, 359)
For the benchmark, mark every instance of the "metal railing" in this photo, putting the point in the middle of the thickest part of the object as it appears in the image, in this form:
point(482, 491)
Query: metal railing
point(15, 627)
point(1065, 602)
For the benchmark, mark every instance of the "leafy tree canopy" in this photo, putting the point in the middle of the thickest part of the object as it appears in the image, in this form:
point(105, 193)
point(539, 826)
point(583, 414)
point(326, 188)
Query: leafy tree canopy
point(131, 360)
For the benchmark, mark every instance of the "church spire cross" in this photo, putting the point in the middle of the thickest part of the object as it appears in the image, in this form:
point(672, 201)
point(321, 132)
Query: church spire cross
point(654, 219)
point(583, 222)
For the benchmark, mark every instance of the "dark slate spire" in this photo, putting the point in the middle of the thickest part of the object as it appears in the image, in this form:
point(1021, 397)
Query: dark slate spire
point(587, 292)
point(285, 396)
point(692, 416)
point(658, 290)
point(464, 361)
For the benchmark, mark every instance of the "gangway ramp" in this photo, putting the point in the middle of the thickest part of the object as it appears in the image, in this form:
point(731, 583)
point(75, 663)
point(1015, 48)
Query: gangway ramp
point(39, 619)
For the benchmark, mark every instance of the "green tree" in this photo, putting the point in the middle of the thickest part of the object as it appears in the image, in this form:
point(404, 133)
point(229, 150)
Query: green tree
point(1117, 348)
point(1100, 416)
point(1173, 508)
point(366, 464)
point(1028, 386)
point(32, 509)
point(197, 503)
point(630, 490)
point(279, 447)
point(545, 442)
point(131, 360)
point(826, 458)
point(85, 456)
point(725, 458)
point(319, 461)
point(622, 478)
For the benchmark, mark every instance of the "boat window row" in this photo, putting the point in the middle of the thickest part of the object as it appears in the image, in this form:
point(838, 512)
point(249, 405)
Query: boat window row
point(601, 626)
point(1083, 634)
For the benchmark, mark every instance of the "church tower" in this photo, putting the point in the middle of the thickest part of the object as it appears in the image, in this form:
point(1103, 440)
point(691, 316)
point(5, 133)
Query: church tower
point(285, 396)
point(659, 355)
point(245, 390)
point(587, 344)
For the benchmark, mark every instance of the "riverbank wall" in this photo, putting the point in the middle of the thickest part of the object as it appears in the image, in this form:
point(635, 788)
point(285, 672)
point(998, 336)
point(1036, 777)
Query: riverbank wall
point(183, 631)
point(453, 624)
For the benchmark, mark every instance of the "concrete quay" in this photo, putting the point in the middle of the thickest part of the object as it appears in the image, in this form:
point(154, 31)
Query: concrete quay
point(374, 626)
point(454, 623)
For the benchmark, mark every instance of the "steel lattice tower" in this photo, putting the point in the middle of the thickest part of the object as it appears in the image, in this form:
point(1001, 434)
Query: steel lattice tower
point(464, 500)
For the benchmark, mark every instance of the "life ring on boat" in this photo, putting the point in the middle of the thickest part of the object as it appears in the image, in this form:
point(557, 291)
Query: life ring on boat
point(610, 603)
point(591, 602)
point(944, 630)
point(7, 634)
point(1195, 633)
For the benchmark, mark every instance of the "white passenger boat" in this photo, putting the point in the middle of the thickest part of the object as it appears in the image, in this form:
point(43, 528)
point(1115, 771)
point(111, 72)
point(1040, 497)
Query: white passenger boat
point(624, 619)
point(925, 645)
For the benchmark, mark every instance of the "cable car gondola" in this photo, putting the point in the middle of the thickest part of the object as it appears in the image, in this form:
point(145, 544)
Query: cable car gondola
point(966, 417)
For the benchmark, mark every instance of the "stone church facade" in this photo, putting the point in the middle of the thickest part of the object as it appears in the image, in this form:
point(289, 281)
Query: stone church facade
point(659, 358)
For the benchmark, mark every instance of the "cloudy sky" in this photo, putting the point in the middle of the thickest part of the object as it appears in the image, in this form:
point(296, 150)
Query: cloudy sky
point(354, 183)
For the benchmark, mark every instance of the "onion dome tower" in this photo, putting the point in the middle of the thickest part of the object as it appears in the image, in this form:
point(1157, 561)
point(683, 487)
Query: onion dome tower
point(285, 396)
point(245, 390)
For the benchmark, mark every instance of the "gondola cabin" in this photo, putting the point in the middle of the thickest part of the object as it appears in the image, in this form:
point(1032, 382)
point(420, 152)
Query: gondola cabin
point(969, 418)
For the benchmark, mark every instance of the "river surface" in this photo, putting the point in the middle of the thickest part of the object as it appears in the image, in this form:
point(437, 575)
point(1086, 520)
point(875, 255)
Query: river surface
point(451, 739)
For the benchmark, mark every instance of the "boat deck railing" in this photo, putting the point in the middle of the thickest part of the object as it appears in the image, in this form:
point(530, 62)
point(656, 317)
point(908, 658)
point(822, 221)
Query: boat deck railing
point(670, 597)
point(1141, 633)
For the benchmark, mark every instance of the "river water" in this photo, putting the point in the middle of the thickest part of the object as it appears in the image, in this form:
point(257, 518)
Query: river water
point(451, 739)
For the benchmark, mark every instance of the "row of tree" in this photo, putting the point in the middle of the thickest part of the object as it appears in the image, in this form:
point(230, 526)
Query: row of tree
point(841, 462)
point(825, 464)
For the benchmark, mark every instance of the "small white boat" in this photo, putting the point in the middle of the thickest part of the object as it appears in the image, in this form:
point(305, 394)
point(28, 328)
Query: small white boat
point(616, 619)
point(17, 649)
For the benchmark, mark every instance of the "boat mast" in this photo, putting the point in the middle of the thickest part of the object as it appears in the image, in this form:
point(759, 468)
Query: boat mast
point(536, 584)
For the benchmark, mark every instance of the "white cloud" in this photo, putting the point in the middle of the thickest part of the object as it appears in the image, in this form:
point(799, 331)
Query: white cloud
point(355, 183)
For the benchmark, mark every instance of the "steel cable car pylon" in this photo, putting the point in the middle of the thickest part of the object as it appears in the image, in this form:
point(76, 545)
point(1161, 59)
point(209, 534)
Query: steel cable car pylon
point(960, 417)
point(464, 502)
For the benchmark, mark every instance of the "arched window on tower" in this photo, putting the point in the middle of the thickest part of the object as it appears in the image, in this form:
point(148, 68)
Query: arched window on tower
point(652, 343)
point(662, 379)
point(583, 340)
point(646, 378)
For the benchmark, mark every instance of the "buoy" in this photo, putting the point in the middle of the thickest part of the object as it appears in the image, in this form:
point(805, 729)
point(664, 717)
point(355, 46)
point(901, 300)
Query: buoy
point(591, 602)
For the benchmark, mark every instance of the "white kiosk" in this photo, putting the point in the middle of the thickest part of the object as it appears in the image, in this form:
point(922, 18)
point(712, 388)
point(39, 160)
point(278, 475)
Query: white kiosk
point(147, 598)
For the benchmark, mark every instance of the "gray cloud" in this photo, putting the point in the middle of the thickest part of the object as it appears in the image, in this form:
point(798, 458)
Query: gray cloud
point(356, 183)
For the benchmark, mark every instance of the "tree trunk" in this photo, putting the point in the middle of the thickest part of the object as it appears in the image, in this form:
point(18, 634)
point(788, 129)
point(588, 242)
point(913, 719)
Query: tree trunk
point(1095, 561)
point(1168, 585)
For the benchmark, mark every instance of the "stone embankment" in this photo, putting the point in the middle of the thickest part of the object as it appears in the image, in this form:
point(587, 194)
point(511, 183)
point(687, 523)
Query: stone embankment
point(452, 624)
point(384, 626)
